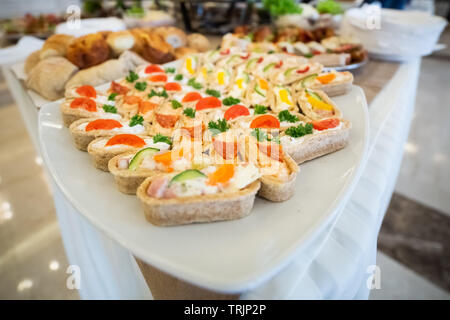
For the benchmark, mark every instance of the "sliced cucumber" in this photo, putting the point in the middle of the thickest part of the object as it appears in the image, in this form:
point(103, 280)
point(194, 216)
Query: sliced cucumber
point(140, 156)
point(250, 63)
point(314, 95)
point(233, 57)
point(269, 66)
point(258, 91)
point(188, 175)
point(289, 71)
point(308, 80)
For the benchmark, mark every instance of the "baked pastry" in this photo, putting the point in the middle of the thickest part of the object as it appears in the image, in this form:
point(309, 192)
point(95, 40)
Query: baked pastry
point(152, 47)
point(198, 42)
point(120, 41)
point(174, 36)
point(56, 45)
point(49, 77)
point(88, 50)
point(31, 61)
point(182, 51)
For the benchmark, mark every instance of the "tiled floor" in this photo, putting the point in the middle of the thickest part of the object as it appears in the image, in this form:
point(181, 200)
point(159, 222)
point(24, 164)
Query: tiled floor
point(32, 259)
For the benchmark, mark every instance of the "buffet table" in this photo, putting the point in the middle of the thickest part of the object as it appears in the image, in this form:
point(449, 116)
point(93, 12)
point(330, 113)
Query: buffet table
point(336, 265)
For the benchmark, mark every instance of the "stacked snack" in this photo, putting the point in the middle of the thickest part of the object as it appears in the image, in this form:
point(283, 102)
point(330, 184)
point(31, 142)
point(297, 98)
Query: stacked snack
point(320, 45)
point(198, 141)
point(65, 62)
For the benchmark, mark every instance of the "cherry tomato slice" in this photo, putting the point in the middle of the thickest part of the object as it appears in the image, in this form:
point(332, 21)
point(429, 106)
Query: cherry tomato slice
point(103, 124)
point(84, 103)
point(172, 86)
point(192, 96)
point(265, 121)
point(325, 124)
point(236, 111)
point(126, 139)
point(158, 78)
point(87, 91)
point(208, 103)
point(153, 68)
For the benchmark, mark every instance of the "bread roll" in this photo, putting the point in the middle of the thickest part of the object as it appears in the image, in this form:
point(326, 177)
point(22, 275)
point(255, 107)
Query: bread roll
point(132, 59)
point(198, 41)
point(56, 46)
point(49, 77)
point(174, 36)
point(107, 71)
point(88, 50)
point(152, 47)
point(120, 41)
point(31, 61)
point(181, 52)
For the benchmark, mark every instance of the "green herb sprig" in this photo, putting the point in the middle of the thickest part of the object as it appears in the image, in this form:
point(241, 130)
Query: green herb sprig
point(218, 126)
point(300, 130)
point(135, 120)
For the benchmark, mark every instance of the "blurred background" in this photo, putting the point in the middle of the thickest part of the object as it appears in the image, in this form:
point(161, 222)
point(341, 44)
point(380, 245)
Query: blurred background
point(414, 241)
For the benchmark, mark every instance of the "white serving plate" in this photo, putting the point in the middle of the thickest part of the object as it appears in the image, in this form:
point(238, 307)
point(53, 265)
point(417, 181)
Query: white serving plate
point(227, 256)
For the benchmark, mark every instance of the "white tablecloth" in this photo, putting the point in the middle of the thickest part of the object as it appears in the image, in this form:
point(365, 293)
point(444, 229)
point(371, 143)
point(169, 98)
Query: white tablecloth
point(334, 266)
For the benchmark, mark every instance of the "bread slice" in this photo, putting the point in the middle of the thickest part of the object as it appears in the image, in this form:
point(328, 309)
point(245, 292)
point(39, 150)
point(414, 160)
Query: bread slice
point(101, 156)
point(70, 115)
point(332, 89)
point(205, 208)
point(276, 189)
point(82, 138)
point(307, 109)
point(318, 144)
point(128, 181)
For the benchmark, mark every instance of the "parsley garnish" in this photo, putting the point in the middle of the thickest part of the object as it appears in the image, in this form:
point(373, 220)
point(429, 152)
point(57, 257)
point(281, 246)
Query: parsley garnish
point(259, 135)
point(112, 96)
point(286, 116)
point(160, 138)
point(176, 104)
point(132, 77)
point(213, 93)
point(300, 131)
point(141, 86)
point(260, 109)
point(135, 120)
point(189, 112)
point(179, 77)
point(194, 84)
point(218, 126)
point(229, 101)
point(109, 108)
point(158, 94)
point(169, 70)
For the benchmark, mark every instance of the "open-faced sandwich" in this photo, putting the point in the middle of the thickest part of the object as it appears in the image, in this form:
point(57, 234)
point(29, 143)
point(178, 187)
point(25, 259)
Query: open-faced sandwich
point(197, 142)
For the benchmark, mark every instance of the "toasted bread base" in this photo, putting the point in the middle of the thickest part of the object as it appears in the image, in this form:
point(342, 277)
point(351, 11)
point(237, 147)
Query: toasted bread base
point(317, 145)
point(278, 190)
point(101, 156)
point(339, 89)
point(206, 208)
point(82, 138)
point(128, 181)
